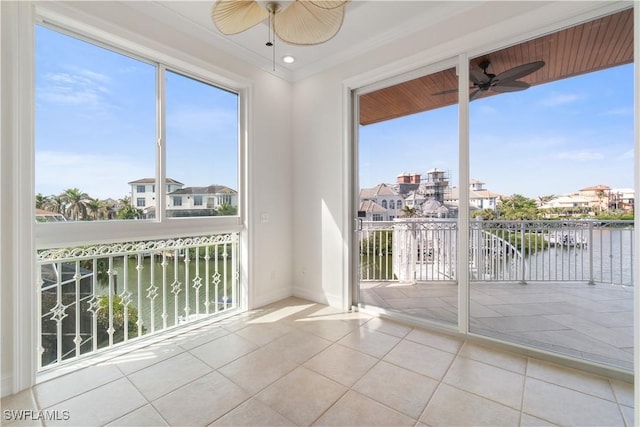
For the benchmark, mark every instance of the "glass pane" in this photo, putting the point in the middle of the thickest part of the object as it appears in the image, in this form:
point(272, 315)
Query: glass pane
point(202, 148)
point(551, 263)
point(95, 130)
point(408, 163)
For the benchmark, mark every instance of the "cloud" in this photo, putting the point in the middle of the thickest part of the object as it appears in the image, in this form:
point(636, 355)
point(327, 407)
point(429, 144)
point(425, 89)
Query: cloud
point(559, 99)
point(485, 109)
point(540, 142)
point(77, 87)
point(627, 154)
point(579, 156)
point(628, 111)
point(100, 176)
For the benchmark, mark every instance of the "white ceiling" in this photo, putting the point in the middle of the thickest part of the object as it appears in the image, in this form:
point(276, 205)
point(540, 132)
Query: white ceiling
point(367, 25)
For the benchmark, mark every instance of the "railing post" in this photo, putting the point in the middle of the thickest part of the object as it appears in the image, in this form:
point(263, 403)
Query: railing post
point(477, 242)
point(590, 246)
point(522, 244)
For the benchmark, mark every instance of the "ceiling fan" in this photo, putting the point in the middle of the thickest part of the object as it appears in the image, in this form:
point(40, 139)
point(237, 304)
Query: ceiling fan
point(507, 81)
point(298, 22)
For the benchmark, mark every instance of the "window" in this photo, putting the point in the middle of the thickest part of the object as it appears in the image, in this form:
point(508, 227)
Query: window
point(399, 205)
point(96, 120)
point(95, 124)
point(568, 130)
point(378, 217)
point(197, 200)
point(384, 204)
point(392, 204)
point(227, 199)
point(202, 137)
point(101, 137)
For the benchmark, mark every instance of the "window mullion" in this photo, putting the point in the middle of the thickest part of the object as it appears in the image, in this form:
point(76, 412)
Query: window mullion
point(463, 209)
point(161, 161)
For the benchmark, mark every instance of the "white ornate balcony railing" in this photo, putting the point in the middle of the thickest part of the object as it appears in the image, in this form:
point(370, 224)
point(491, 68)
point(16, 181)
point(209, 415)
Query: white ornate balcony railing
point(419, 249)
point(97, 297)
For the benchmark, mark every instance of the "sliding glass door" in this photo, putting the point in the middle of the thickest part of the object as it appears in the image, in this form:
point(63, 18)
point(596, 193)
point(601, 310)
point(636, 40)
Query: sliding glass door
point(407, 196)
point(547, 197)
point(551, 162)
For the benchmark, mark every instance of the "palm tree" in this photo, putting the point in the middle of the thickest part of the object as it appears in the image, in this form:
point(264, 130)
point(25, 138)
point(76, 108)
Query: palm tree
point(226, 209)
point(41, 201)
point(75, 203)
point(128, 211)
point(54, 203)
point(97, 208)
point(409, 212)
point(601, 195)
point(545, 199)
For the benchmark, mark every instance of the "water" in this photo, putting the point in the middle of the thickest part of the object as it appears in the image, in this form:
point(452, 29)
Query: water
point(607, 257)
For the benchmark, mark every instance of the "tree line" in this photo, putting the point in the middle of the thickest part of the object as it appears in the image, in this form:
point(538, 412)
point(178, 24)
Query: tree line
point(518, 207)
point(76, 205)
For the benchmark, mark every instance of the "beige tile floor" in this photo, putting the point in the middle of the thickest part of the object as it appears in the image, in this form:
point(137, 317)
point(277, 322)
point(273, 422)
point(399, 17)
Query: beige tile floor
point(297, 363)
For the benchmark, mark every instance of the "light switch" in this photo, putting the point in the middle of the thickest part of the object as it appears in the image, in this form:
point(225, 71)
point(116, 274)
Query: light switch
point(264, 217)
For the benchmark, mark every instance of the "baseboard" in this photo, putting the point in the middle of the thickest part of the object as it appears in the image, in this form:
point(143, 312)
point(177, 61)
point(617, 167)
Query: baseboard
point(270, 298)
point(319, 297)
point(6, 387)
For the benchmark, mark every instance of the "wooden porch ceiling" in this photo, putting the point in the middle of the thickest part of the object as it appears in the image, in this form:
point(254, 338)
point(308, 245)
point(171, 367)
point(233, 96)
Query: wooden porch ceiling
point(595, 45)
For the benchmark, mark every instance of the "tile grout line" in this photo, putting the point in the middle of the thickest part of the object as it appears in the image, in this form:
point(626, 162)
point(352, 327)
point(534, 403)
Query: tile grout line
point(440, 381)
point(350, 388)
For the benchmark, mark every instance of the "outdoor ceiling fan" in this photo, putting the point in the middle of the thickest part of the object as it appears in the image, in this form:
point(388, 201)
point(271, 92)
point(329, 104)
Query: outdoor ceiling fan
point(507, 81)
point(298, 22)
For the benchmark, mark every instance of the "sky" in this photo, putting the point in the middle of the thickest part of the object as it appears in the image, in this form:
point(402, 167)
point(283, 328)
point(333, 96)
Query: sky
point(96, 119)
point(96, 122)
point(551, 139)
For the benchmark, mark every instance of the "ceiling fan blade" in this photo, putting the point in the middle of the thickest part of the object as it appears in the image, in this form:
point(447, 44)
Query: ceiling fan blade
point(445, 92)
point(478, 77)
point(510, 87)
point(475, 94)
point(303, 23)
point(328, 4)
point(236, 16)
point(520, 71)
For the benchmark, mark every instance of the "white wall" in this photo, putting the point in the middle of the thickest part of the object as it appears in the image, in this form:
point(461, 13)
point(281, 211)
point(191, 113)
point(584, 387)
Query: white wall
point(269, 174)
point(321, 175)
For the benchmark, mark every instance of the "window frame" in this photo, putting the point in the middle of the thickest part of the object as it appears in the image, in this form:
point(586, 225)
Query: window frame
point(83, 232)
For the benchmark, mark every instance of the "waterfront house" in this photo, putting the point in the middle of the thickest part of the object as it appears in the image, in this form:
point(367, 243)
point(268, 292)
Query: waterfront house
point(386, 204)
point(479, 197)
point(200, 201)
point(143, 193)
